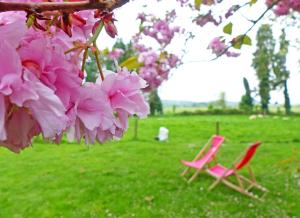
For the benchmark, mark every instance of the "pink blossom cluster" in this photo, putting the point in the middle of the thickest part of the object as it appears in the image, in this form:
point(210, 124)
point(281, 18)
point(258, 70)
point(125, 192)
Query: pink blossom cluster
point(156, 68)
point(202, 20)
point(218, 47)
point(231, 11)
point(284, 7)
point(159, 29)
point(207, 18)
point(183, 2)
point(153, 66)
point(115, 53)
point(42, 89)
point(205, 2)
point(156, 65)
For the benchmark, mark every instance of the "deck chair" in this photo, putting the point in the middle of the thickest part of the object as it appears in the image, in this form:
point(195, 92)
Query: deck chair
point(206, 155)
point(243, 185)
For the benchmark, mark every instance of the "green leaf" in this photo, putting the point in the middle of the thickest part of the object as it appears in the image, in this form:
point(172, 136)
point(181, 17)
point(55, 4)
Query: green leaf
point(247, 40)
point(241, 40)
point(105, 51)
point(198, 4)
point(237, 42)
point(30, 20)
point(252, 2)
point(131, 63)
point(228, 28)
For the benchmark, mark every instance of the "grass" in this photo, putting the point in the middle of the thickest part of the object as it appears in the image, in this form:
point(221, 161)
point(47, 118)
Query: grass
point(140, 178)
point(230, 110)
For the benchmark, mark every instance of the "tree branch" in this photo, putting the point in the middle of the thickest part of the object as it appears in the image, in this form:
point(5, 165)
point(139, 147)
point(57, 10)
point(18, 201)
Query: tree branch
point(254, 22)
point(62, 6)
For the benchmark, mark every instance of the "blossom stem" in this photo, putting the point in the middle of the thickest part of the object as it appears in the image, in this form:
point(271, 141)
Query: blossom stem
point(73, 49)
point(85, 54)
point(90, 41)
point(97, 56)
point(62, 6)
point(96, 34)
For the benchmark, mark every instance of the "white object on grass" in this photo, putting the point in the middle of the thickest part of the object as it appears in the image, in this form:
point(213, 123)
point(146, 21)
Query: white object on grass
point(163, 134)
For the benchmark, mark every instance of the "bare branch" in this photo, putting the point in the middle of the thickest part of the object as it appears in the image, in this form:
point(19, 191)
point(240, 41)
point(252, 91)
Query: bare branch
point(62, 6)
point(241, 39)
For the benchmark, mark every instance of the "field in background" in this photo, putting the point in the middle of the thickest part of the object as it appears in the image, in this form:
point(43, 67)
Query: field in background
point(169, 110)
point(296, 109)
point(140, 178)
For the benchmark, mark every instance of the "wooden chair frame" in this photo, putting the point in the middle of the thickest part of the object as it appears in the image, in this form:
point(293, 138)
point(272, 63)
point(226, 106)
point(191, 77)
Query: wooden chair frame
point(201, 153)
point(243, 184)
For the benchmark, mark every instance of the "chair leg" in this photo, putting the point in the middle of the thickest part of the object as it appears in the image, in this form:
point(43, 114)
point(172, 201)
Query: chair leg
point(249, 187)
point(264, 194)
point(214, 184)
point(194, 176)
point(239, 180)
point(239, 189)
point(242, 191)
point(251, 174)
point(254, 183)
point(185, 171)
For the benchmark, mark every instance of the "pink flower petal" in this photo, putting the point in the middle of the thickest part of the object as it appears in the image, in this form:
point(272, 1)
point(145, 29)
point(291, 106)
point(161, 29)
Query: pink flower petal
point(13, 32)
point(21, 127)
point(9, 60)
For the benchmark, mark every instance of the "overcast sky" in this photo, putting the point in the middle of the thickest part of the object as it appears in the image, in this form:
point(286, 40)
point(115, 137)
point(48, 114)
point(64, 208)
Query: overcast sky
point(199, 79)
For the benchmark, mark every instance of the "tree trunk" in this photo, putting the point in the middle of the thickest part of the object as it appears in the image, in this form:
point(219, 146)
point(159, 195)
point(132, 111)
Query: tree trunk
point(136, 126)
point(287, 102)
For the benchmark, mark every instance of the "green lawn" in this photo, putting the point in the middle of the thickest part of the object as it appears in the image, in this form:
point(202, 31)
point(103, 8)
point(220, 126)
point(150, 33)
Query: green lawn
point(141, 178)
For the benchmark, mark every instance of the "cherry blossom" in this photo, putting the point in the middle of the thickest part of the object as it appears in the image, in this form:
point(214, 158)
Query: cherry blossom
point(285, 7)
point(42, 88)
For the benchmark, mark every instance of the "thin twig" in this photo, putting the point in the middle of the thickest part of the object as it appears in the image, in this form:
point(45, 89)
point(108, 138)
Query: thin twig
point(254, 22)
point(97, 56)
point(85, 54)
